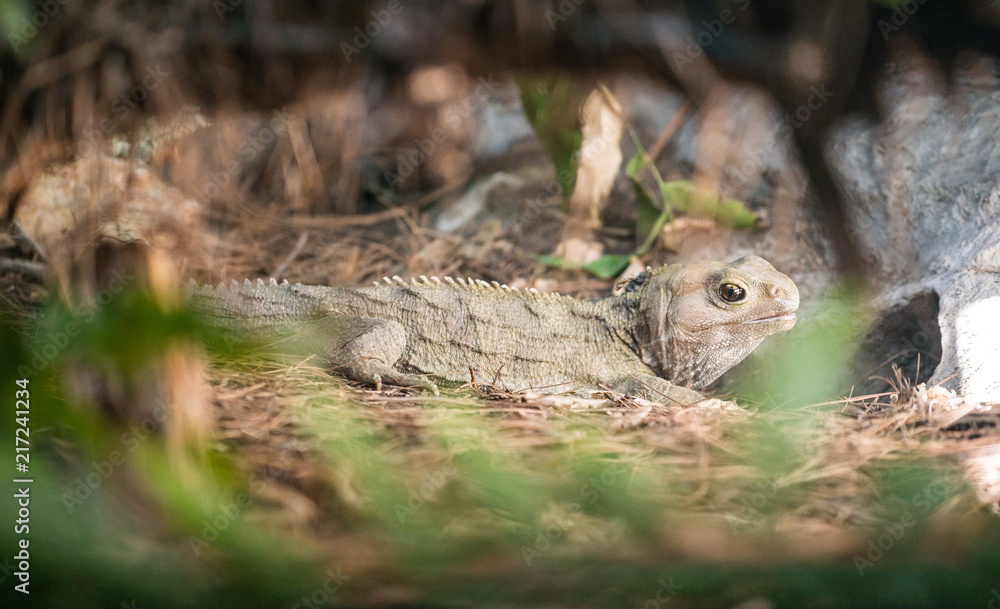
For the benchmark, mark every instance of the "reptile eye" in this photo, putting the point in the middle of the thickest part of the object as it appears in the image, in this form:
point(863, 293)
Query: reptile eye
point(730, 292)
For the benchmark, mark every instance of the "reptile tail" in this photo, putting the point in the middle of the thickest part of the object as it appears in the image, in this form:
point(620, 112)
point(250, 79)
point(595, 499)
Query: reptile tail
point(256, 305)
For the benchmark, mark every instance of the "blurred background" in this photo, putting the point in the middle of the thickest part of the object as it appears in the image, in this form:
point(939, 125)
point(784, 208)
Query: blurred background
point(557, 145)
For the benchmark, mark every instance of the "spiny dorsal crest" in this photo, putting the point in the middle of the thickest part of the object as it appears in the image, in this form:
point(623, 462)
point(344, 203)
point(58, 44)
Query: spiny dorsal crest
point(460, 283)
point(235, 286)
point(471, 284)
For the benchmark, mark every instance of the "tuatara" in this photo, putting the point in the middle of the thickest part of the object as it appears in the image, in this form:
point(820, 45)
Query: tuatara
point(668, 332)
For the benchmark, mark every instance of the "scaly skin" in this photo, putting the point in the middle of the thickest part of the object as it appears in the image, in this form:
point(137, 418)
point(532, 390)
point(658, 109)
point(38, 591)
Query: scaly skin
point(670, 329)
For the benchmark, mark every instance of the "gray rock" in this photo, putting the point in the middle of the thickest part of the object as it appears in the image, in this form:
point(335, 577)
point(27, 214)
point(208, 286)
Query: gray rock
point(924, 208)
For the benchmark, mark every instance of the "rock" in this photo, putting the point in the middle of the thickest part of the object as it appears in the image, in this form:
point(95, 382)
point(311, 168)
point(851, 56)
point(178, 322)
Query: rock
point(924, 192)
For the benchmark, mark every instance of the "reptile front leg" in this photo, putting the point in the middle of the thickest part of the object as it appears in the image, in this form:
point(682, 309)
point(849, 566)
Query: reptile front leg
point(656, 389)
point(365, 349)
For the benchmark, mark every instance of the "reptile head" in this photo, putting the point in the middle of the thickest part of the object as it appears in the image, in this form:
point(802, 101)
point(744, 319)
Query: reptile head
point(704, 318)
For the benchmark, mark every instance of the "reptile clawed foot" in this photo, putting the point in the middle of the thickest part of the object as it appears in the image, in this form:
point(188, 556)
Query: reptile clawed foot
point(407, 380)
point(426, 385)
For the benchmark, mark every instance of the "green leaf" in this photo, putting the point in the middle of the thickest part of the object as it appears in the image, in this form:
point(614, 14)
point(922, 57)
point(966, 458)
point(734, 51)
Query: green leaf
point(552, 106)
point(635, 165)
point(605, 267)
point(555, 261)
point(734, 213)
point(608, 266)
point(727, 212)
point(682, 195)
point(654, 232)
point(649, 214)
point(651, 218)
point(676, 194)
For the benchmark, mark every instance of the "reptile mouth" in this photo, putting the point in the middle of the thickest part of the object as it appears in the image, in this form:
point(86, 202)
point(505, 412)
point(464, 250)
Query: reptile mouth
point(783, 317)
